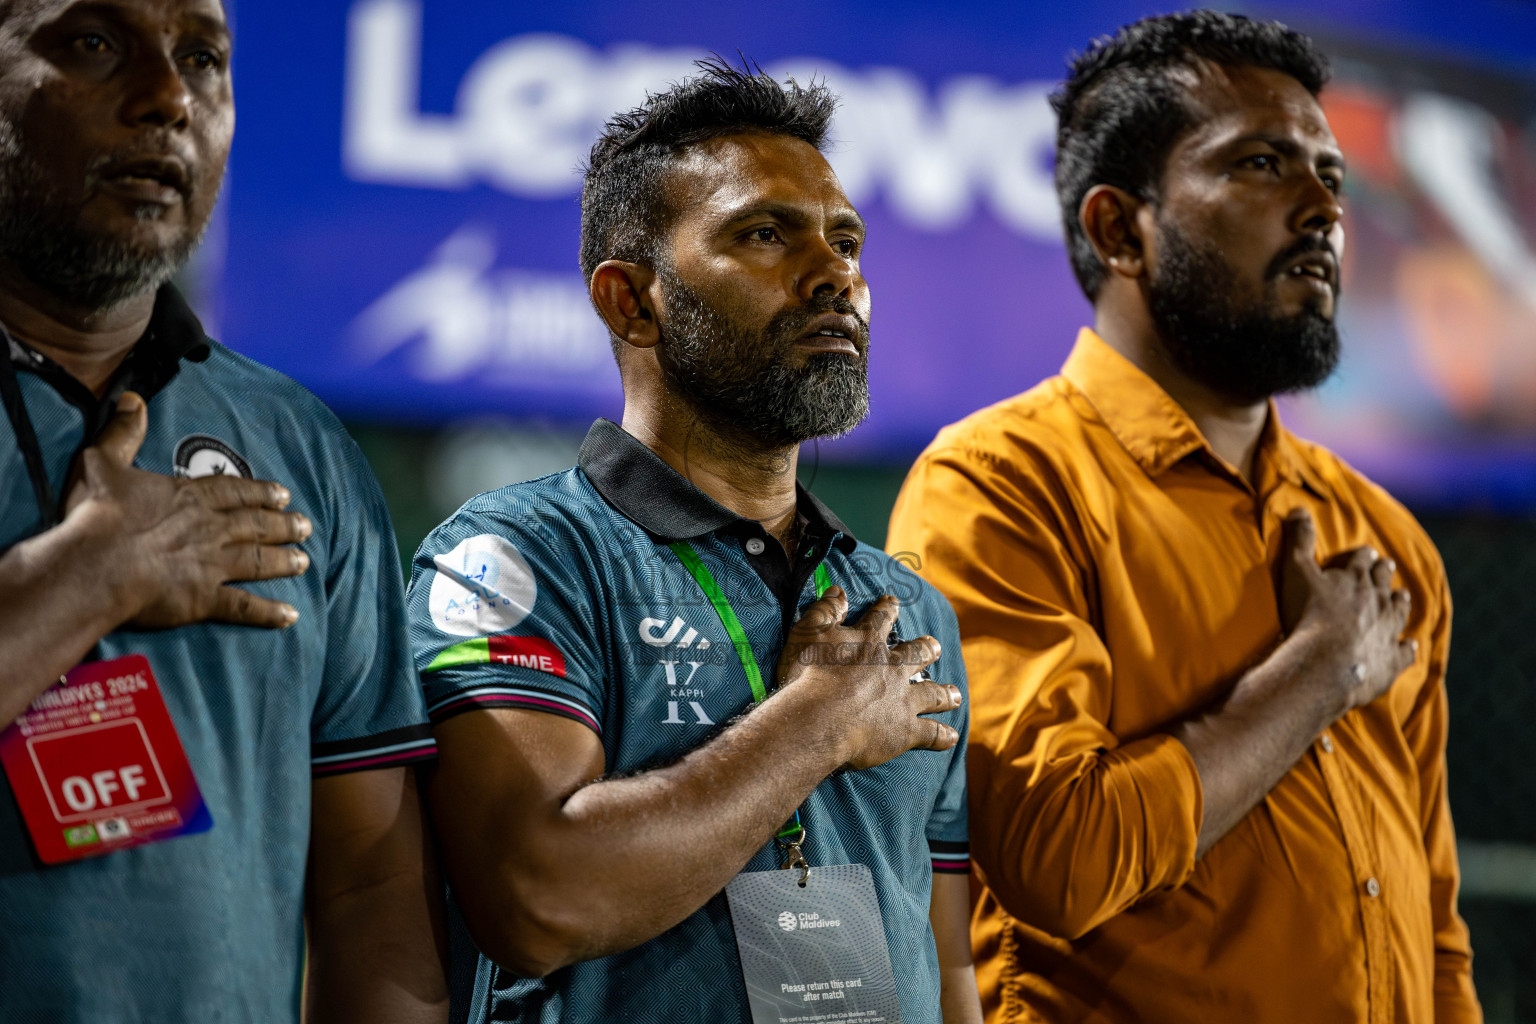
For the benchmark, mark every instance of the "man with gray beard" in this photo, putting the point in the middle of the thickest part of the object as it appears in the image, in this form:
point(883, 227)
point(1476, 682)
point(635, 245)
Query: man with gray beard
point(197, 775)
point(666, 673)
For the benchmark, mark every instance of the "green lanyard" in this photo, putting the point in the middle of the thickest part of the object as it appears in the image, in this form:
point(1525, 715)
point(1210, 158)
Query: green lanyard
point(706, 581)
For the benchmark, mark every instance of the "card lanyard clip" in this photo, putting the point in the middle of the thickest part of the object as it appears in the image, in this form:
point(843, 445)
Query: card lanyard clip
point(795, 858)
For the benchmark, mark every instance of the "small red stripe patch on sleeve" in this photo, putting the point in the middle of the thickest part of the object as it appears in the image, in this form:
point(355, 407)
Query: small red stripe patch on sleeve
point(528, 652)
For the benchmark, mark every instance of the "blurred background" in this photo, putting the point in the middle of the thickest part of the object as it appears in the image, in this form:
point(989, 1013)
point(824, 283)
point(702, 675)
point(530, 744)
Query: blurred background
point(399, 233)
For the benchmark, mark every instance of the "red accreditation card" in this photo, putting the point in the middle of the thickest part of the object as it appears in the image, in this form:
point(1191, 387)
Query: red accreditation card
point(96, 764)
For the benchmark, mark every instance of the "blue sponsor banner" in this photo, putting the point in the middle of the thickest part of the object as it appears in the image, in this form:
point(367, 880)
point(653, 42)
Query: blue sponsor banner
point(402, 210)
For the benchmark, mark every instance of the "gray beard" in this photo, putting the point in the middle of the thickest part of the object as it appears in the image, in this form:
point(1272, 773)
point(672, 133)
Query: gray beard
point(40, 236)
point(740, 382)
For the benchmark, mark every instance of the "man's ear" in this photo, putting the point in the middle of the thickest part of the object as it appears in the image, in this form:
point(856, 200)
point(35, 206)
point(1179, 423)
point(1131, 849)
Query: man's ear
point(1111, 218)
point(622, 294)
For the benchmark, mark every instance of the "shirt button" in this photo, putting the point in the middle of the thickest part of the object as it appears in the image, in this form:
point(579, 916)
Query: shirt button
point(1372, 887)
point(1327, 742)
point(755, 546)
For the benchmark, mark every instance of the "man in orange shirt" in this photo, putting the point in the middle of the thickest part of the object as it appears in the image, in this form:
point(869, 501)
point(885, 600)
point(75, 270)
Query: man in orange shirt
point(1207, 658)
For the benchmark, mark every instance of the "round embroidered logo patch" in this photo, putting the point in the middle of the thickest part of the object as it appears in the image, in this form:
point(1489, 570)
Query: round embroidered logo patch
point(199, 455)
point(482, 586)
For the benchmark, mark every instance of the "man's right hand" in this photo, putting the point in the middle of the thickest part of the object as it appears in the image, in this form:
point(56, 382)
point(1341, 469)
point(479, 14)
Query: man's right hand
point(1348, 613)
point(866, 685)
point(168, 547)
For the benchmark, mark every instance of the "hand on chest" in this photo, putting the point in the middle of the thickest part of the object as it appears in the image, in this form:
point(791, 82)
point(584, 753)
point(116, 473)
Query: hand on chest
point(1186, 598)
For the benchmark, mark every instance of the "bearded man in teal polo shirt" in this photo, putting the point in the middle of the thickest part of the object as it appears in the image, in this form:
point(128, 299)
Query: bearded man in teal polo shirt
point(663, 675)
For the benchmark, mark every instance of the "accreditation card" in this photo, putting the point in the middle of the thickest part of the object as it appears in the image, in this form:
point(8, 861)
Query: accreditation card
point(96, 764)
point(817, 954)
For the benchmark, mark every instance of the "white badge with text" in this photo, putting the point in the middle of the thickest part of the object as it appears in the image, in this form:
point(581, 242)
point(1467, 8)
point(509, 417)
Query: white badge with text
point(813, 955)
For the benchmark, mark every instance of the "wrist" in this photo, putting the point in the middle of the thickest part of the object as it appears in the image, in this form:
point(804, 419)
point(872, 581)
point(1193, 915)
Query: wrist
point(1322, 669)
point(814, 724)
point(86, 545)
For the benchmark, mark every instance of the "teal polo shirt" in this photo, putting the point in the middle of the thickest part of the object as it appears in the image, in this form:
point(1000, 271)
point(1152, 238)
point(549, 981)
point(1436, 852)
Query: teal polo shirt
point(562, 596)
point(209, 927)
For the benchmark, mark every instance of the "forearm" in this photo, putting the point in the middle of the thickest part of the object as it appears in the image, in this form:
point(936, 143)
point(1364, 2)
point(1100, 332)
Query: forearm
point(377, 955)
point(1243, 747)
point(624, 859)
point(959, 1000)
point(378, 941)
point(1079, 835)
point(949, 914)
point(55, 606)
point(1068, 844)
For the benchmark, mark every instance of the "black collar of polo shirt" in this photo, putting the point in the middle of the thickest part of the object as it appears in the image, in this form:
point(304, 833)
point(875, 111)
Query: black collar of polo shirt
point(639, 484)
point(174, 333)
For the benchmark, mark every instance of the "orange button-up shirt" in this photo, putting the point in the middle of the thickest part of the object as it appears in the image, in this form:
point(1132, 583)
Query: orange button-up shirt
point(1112, 576)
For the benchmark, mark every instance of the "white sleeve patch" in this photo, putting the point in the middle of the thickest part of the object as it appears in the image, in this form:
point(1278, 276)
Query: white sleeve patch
point(482, 586)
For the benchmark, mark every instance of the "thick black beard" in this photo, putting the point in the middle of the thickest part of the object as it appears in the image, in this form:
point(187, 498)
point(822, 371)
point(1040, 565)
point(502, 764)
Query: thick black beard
point(40, 235)
point(1245, 353)
point(739, 380)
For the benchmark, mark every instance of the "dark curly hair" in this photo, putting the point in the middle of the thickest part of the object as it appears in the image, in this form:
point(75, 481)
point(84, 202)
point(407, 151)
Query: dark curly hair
point(1125, 104)
point(624, 207)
